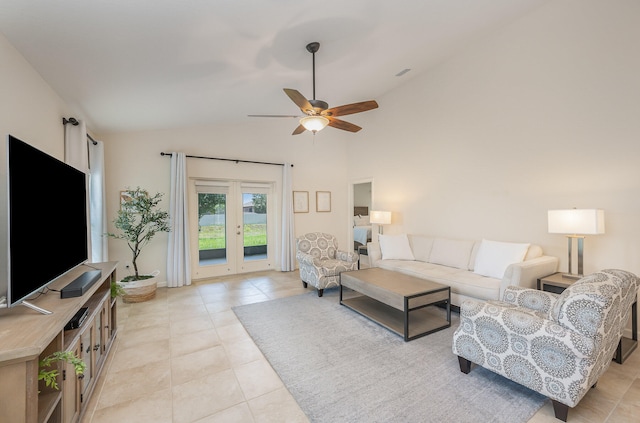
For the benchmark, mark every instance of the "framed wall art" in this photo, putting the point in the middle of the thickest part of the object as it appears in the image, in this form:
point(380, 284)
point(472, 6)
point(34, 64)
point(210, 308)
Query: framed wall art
point(323, 201)
point(301, 201)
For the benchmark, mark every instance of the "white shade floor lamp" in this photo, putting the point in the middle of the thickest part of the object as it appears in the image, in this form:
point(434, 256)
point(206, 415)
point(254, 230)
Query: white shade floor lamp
point(380, 218)
point(576, 223)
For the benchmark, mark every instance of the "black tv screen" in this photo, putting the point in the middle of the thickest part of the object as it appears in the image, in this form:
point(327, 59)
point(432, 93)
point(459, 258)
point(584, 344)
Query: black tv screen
point(47, 219)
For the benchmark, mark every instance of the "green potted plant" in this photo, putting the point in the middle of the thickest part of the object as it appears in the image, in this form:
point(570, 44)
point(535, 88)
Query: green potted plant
point(49, 374)
point(116, 289)
point(139, 220)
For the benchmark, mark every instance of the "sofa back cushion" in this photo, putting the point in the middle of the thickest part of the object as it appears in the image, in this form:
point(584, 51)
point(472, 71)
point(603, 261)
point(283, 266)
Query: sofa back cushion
point(474, 254)
point(452, 253)
point(421, 247)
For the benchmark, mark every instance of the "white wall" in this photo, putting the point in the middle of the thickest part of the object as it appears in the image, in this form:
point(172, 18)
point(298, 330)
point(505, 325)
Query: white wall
point(539, 115)
point(543, 114)
point(29, 108)
point(133, 159)
point(33, 112)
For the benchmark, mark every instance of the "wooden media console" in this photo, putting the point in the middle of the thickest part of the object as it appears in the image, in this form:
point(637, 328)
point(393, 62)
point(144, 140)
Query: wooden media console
point(27, 336)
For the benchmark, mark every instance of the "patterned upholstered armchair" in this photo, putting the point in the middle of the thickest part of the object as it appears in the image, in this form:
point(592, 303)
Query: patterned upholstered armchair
point(321, 262)
point(557, 345)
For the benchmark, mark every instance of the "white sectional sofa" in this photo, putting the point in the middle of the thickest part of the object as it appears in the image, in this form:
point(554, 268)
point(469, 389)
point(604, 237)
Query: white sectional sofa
point(473, 269)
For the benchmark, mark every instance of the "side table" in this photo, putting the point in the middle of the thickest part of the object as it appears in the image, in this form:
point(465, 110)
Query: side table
point(556, 283)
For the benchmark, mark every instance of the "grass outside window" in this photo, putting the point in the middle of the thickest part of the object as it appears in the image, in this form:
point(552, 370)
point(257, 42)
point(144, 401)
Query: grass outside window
point(213, 237)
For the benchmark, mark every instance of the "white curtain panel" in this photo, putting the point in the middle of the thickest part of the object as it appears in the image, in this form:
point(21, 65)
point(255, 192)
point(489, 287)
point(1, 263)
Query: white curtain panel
point(288, 257)
point(178, 256)
point(97, 203)
point(76, 154)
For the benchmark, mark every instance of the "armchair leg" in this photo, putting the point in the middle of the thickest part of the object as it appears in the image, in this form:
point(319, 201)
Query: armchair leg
point(465, 365)
point(304, 284)
point(561, 410)
point(320, 292)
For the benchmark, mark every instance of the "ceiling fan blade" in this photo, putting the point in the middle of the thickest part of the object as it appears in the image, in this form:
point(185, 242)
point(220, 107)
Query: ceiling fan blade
point(349, 109)
point(299, 99)
point(299, 130)
point(276, 116)
point(344, 125)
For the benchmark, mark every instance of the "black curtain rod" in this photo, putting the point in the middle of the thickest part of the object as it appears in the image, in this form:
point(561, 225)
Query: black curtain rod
point(75, 122)
point(226, 160)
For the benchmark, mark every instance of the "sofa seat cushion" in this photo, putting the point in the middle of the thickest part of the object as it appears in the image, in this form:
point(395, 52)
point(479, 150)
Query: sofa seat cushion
point(473, 285)
point(461, 281)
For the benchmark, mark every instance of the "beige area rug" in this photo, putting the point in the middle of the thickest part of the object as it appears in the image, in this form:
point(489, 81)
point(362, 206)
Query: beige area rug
point(342, 367)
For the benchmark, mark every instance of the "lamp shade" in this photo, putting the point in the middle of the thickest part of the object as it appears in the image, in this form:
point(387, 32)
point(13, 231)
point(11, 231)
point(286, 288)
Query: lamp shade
point(576, 221)
point(314, 123)
point(380, 217)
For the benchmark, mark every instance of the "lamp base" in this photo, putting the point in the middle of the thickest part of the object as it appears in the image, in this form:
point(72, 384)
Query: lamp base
point(580, 274)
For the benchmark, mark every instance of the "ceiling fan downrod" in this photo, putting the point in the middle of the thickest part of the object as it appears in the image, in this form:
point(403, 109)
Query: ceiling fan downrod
point(318, 105)
point(313, 48)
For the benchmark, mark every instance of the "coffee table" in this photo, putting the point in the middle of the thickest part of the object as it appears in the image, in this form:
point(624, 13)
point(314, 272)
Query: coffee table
point(401, 303)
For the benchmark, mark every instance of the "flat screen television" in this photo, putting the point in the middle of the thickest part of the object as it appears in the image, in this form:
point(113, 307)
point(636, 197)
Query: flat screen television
point(46, 220)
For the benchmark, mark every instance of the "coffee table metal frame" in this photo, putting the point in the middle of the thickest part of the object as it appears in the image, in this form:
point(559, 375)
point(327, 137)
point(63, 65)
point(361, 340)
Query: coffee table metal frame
point(401, 303)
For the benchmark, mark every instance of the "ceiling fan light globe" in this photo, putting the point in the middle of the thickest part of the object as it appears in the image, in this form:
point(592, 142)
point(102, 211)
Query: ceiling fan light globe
point(314, 123)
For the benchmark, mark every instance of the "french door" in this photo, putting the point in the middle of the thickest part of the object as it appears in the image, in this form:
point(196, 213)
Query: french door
point(233, 228)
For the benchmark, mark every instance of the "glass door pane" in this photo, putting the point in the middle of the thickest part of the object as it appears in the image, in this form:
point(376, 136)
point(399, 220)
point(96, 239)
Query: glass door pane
point(254, 223)
point(230, 233)
point(256, 227)
point(212, 229)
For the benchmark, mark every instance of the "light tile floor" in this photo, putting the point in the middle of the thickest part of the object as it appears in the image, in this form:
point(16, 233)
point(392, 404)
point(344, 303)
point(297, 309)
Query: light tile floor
point(184, 357)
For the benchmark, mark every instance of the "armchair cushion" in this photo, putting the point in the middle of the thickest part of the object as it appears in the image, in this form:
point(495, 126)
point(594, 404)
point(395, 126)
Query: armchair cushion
point(530, 298)
point(333, 267)
point(350, 256)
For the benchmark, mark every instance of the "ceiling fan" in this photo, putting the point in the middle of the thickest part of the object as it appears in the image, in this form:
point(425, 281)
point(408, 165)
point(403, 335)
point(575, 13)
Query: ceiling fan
point(317, 112)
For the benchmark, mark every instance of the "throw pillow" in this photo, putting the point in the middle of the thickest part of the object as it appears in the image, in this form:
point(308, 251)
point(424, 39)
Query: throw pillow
point(494, 257)
point(395, 247)
point(361, 220)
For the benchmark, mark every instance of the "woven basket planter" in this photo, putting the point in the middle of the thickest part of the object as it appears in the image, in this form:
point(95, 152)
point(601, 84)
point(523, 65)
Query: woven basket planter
point(140, 291)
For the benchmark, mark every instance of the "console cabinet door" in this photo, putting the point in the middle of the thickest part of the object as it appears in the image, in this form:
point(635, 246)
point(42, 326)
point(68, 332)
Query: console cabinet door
point(99, 339)
point(71, 390)
point(86, 352)
point(106, 322)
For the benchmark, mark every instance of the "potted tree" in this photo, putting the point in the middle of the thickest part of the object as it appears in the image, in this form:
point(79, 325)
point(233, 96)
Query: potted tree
point(139, 220)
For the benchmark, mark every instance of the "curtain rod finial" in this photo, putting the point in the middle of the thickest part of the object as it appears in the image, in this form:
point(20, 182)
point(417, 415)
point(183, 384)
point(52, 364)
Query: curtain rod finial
point(71, 120)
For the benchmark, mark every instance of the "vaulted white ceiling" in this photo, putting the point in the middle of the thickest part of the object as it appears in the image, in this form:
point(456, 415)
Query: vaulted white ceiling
point(152, 64)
